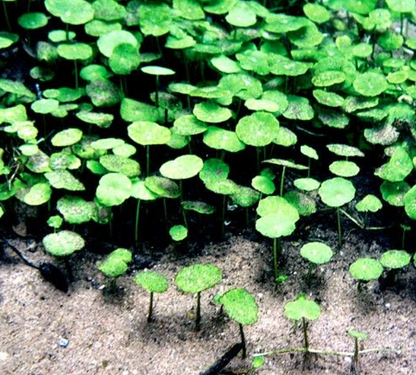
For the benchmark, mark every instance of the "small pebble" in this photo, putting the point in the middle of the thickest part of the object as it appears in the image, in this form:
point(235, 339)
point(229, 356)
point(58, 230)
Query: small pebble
point(63, 343)
point(388, 305)
point(3, 356)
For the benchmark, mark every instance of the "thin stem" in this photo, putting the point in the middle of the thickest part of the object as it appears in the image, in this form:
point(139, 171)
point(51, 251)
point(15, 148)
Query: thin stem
point(356, 351)
point(243, 341)
point(309, 167)
point(198, 311)
point(147, 160)
point(305, 334)
point(275, 262)
point(282, 181)
point(223, 216)
point(365, 220)
point(185, 221)
point(339, 227)
point(326, 352)
point(403, 238)
point(309, 277)
point(188, 76)
point(76, 74)
point(360, 286)
point(165, 210)
point(67, 32)
point(149, 316)
point(157, 92)
point(136, 229)
point(401, 23)
point(6, 16)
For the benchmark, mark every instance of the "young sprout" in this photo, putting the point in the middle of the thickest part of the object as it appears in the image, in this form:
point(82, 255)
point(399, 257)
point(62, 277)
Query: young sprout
point(196, 279)
point(241, 307)
point(157, 71)
point(357, 335)
point(365, 270)
point(370, 203)
point(405, 228)
point(335, 193)
point(153, 282)
point(116, 265)
point(393, 261)
point(277, 219)
point(178, 233)
point(303, 309)
point(55, 222)
point(62, 245)
point(311, 154)
point(317, 253)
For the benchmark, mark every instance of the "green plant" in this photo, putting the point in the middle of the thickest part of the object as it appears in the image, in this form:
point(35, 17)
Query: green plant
point(316, 253)
point(241, 307)
point(196, 279)
point(335, 193)
point(116, 265)
point(370, 203)
point(153, 282)
point(393, 261)
point(303, 309)
point(365, 270)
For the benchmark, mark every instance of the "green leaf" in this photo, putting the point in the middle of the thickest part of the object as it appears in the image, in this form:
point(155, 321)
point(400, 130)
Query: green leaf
point(181, 168)
point(316, 252)
point(287, 164)
point(336, 192)
point(157, 70)
point(394, 192)
point(76, 210)
point(103, 93)
point(211, 112)
point(398, 168)
point(370, 84)
point(116, 263)
point(108, 10)
point(309, 152)
point(370, 203)
point(263, 184)
point(298, 109)
point(302, 308)
point(64, 180)
point(188, 125)
point(409, 200)
point(108, 42)
point(63, 243)
point(73, 12)
point(307, 184)
point(178, 233)
point(395, 259)
point(155, 19)
point(344, 168)
point(220, 139)
point(241, 15)
point(200, 207)
point(163, 187)
point(197, 278)
point(366, 269)
point(44, 106)
point(189, 9)
point(357, 334)
point(258, 129)
point(67, 137)
point(124, 59)
point(132, 110)
point(214, 170)
point(344, 150)
point(120, 164)
point(153, 282)
point(75, 51)
point(7, 39)
point(32, 21)
point(148, 133)
point(303, 203)
point(113, 189)
point(38, 194)
point(240, 306)
point(401, 6)
point(245, 196)
point(316, 13)
point(140, 191)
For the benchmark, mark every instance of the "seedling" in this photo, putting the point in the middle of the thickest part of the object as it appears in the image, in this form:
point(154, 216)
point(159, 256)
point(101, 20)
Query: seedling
point(153, 282)
point(335, 193)
point(303, 309)
point(365, 270)
point(316, 253)
point(277, 219)
point(196, 279)
point(116, 265)
point(62, 245)
point(311, 154)
point(393, 261)
point(157, 71)
point(241, 307)
point(178, 233)
point(357, 335)
point(370, 203)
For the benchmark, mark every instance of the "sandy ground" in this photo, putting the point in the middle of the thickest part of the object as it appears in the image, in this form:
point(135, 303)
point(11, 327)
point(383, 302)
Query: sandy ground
point(108, 334)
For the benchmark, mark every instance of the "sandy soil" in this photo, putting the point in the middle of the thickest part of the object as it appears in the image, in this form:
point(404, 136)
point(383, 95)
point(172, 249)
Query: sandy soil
point(108, 333)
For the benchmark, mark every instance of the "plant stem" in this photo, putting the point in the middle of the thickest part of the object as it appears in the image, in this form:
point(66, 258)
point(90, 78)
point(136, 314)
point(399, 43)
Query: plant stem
point(403, 238)
point(305, 334)
point(188, 76)
point(157, 92)
point(149, 316)
point(309, 277)
point(401, 23)
point(339, 227)
point(325, 352)
point(275, 262)
point(67, 32)
point(365, 220)
point(185, 221)
point(282, 181)
point(198, 311)
point(223, 216)
point(309, 167)
point(147, 161)
point(6, 16)
point(76, 74)
point(136, 229)
point(356, 351)
point(360, 286)
point(243, 341)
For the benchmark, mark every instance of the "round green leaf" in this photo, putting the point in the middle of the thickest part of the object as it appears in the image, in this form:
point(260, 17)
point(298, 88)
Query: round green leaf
point(157, 70)
point(241, 15)
point(344, 168)
point(76, 210)
point(316, 13)
point(344, 150)
point(258, 129)
point(336, 192)
point(306, 184)
point(214, 170)
point(189, 125)
point(303, 203)
point(181, 168)
point(178, 232)
point(366, 269)
point(370, 203)
point(302, 308)
point(298, 109)
point(285, 137)
point(398, 168)
point(370, 84)
point(75, 51)
point(64, 180)
point(120, 164)
point(44, 106)
point(240, 306)
point(113, 189)
point(394, 193)
point(153, 282)
point(197, 278)
point(211, 112)
point(221, 139)
point(395, 259)
point(108, 42)
point(357, 334)
point(67, 137)
point(263, 184)
point(148, 133)
point(163, 187)
point(38, 194)
point(309, 152)
point(401, 6)
point(124, 59)
point(63, 243)
point(316, 252)
point(74, 12)
point(140, 191)
point(32, 21)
